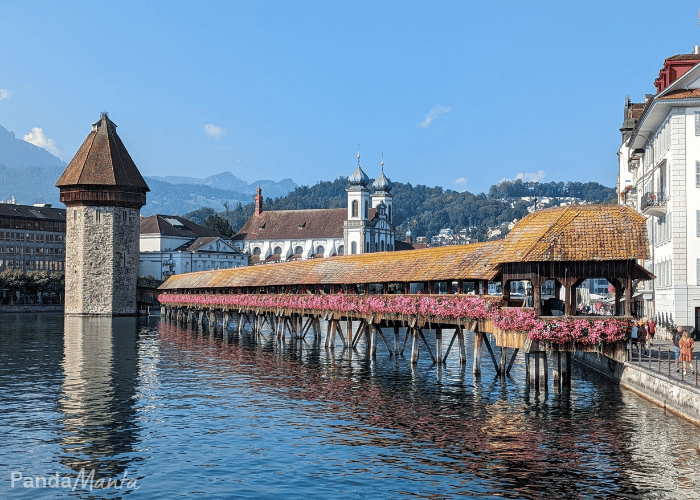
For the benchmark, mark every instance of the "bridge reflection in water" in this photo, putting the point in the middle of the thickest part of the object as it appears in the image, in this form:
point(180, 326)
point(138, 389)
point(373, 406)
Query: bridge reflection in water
point(368, 296)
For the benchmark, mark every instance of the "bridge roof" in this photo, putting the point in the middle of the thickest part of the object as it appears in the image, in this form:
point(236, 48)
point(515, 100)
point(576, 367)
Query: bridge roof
point(432, 264)
point(572, 233)
point(577, 233)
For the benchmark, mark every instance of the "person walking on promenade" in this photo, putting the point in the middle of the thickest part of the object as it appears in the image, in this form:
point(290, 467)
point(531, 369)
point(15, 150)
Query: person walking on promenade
point(642, 334)
point(686, 347)
point(677, 335)
point(651, 330)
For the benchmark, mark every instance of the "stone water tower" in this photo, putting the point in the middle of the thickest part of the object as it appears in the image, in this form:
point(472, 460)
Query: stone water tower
point(103, 192)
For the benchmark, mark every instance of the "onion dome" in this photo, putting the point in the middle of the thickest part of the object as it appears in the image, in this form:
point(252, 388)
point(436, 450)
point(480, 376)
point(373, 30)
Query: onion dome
point(358, 178)
point(382, 183)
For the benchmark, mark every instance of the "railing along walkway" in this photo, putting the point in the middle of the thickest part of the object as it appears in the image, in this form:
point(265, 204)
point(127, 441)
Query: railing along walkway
point(661, 358)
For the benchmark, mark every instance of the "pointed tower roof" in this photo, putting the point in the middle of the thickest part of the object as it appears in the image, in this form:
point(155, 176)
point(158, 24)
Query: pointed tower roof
point(102, 160)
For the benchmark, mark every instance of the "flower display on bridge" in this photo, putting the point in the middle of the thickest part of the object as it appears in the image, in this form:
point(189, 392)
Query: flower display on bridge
point(560, 330)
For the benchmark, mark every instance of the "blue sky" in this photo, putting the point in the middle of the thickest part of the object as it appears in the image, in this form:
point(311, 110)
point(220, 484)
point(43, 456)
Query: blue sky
point(457, 94)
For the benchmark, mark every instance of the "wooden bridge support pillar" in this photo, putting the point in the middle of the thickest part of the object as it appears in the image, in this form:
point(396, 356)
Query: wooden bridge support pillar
point(438, 345)
point(212, 319)
point(503, 361)
point(396, 340)
point(163, 311)
point(372, 341)
point(478, 348)
point(414, 346)
point(227, 318)
point(561, 369)
point(537, 369)
point(462, 349)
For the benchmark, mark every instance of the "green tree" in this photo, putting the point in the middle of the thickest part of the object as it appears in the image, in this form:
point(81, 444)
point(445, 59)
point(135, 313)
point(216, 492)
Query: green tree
point(219, 224)
point(200, 215)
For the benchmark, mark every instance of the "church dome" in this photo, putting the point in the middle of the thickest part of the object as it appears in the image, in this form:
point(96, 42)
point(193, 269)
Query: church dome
point(358, 178)
point(382, 183)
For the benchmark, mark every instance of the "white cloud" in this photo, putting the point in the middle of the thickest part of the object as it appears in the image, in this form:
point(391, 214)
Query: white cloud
point(532, 176)
point(5, 94)
point(38, 138)
point(434, 113)
point(214, 131)
point(461, 183)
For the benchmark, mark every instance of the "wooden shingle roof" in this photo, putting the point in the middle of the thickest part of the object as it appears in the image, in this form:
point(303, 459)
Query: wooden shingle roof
point(432, 264)
point(577, 233)
point(102, 160)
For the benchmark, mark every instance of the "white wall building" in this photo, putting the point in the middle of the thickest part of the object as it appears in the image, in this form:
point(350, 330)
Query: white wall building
point(173, 245)
point(659, 176)
point(364, 226)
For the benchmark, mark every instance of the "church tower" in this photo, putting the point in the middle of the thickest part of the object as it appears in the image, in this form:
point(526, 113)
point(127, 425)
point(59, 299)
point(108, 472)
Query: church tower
point(103, 192)
point(354, 230)
point(382, 192)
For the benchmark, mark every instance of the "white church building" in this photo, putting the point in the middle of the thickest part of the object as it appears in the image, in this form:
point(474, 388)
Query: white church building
point(364, 226)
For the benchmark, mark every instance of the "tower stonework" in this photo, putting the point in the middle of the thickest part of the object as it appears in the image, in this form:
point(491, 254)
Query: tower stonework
point(103, 192)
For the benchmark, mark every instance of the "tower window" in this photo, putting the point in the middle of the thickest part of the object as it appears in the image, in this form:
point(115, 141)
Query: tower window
point(355, 208)
point(366, 210)
point(353, 248)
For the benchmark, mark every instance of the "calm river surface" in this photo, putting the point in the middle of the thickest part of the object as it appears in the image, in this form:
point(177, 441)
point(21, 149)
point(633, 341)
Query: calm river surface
point(175, 413)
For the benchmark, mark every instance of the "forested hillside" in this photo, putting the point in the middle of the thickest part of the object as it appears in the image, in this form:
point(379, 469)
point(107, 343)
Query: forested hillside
point(423, 209)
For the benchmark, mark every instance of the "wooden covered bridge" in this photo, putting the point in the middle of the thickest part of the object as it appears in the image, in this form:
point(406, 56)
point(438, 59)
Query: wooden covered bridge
point(371, 293)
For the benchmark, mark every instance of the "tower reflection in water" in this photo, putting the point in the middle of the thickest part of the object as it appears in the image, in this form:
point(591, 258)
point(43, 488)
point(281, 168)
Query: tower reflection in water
point(100, 364)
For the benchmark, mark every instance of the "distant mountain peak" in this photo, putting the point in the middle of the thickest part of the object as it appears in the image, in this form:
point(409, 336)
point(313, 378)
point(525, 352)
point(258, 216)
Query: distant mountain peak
point(17, 153)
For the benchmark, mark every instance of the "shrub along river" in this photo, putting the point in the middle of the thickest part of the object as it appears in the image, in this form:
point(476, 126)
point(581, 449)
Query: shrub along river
point(141, 408)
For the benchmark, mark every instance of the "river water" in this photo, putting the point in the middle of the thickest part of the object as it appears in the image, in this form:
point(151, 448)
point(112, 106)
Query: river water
point(172, 412)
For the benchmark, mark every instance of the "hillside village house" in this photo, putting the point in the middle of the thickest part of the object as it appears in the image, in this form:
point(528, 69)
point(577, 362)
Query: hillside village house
point(659, 176)
point(365, 226)
point(173, 245)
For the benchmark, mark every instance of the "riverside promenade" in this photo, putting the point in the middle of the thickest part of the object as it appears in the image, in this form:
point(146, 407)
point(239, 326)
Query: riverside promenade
point(652, 374)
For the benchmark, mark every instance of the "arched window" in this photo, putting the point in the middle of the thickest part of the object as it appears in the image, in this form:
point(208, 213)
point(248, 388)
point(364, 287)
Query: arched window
point(320, 249)
point(355, 208)
point(256, 251)
point(382, 245)
point(353, 248)
point(298, 250)
point(366, 210)
point(367, 247)
point(341, 250)
point(389, 213)
point(278, 251)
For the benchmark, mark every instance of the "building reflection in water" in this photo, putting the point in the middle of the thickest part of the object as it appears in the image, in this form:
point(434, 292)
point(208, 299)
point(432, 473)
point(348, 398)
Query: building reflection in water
point(100, 364)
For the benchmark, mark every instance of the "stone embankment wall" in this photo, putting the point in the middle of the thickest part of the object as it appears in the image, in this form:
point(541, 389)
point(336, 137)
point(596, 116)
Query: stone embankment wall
point(30, 308)
point(681, 398)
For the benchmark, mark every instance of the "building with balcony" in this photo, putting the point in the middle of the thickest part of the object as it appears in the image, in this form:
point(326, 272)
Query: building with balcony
point(659, 176)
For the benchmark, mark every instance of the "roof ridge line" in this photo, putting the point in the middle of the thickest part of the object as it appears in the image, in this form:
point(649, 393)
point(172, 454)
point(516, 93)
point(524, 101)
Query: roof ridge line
point(547, 232)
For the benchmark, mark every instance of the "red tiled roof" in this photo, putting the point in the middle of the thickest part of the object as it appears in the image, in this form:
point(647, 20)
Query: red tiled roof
point(682, 94)
point(102, 160)
point(296, 224)
point(684, 57)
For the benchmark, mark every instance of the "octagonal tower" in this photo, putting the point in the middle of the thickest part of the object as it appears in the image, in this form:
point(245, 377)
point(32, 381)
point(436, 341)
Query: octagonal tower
point(103, 192)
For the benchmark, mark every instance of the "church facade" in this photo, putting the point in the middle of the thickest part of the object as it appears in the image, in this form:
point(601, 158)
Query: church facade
point(365, 226)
